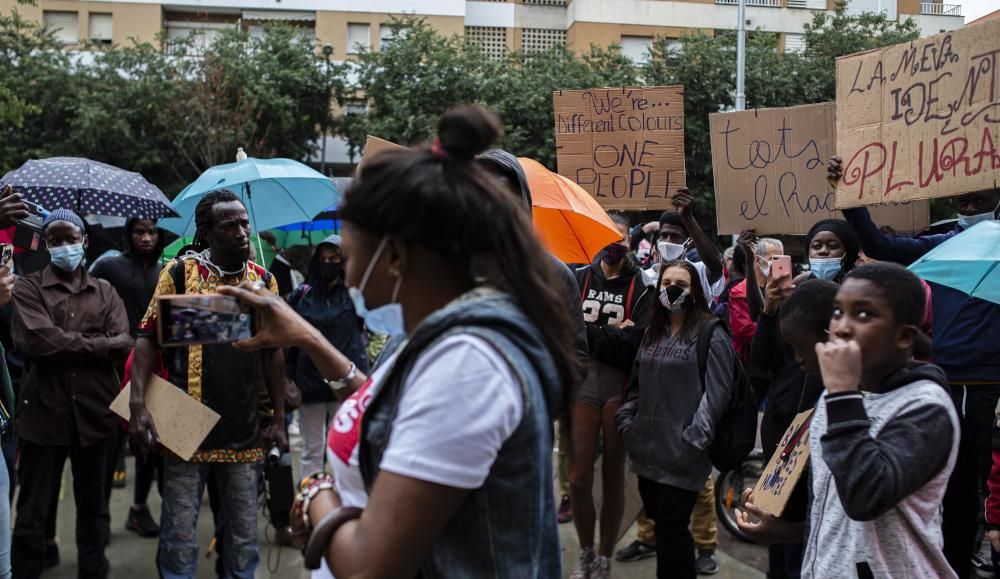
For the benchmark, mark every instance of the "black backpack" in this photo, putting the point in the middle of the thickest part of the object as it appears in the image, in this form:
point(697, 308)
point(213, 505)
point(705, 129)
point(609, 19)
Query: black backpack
point(736, 433)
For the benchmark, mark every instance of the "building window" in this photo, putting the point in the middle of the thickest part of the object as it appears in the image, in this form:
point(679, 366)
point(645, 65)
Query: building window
point(359, 37)
point(795, 42)
point(355, 108)
point(492, 40)
point(200, 36)
point(65, 26)
point(100, 28)
point(540, 39)
point(385, 37)
point(637, 48)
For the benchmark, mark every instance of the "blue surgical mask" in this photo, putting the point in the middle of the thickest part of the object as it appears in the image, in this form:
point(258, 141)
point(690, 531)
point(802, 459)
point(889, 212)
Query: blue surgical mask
point(967, 221)
point(388, 319)
point(66, 257)
point(825, 268)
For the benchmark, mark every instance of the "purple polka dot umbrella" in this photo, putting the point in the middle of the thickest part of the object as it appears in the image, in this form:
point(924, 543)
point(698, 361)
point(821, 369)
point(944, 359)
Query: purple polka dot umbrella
point(88, 188)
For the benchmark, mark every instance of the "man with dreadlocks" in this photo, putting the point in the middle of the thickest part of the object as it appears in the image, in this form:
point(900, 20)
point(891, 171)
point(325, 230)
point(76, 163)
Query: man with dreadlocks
point(226, 380)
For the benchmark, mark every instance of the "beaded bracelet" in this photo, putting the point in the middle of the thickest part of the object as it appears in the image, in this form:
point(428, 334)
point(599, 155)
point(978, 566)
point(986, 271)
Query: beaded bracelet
point(316, 476)
point(308, 496)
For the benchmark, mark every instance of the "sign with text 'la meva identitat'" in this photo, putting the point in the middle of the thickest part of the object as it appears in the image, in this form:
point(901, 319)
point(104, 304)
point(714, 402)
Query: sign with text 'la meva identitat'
point(920, 120)
point(624, 146)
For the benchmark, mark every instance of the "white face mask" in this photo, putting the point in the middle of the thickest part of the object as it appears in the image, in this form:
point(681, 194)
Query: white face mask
point(670, 251)
point(967, 221)
point(765, 266)
point(388, 319)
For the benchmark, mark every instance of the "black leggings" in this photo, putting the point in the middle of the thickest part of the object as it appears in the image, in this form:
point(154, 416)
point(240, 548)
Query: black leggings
point(670, 508)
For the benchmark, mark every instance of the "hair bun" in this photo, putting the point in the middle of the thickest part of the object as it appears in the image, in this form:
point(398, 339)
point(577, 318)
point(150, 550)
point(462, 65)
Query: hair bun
point(468, 130)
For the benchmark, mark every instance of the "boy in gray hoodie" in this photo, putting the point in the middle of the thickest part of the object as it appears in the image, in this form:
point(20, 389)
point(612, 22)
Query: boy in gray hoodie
point(883, 439)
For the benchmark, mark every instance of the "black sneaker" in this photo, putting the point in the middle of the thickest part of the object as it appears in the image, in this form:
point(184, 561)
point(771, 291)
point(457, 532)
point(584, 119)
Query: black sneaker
point(706, 564)
point(141, 522)
point(982, 565)
point(565, 514)
point(636, 551)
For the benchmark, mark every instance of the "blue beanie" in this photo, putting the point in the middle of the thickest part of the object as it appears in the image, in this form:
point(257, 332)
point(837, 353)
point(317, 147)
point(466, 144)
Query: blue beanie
point(64, 215)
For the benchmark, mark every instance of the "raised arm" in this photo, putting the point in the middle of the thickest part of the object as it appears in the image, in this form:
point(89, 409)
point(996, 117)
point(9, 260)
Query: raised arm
point(710, 254)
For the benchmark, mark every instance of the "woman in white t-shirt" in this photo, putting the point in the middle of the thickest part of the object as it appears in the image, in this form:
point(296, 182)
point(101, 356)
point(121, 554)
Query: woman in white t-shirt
point(442, 458)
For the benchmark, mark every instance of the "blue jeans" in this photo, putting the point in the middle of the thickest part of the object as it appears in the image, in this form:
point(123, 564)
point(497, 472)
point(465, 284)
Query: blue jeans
point(183, 487)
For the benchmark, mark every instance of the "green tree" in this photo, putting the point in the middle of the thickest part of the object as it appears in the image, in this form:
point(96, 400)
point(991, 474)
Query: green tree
point(522, 96)
point(417, 75)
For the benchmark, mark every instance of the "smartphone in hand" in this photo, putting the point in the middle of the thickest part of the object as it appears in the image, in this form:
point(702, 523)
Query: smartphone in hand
point(204, 319)
point(781, 265)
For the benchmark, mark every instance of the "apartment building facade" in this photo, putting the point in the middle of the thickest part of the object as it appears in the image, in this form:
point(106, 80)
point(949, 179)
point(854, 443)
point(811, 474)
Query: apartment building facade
point(499, 26)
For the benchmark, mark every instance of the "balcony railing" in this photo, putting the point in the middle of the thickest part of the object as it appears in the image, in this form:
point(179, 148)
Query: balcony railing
point(765, 3)
point(936, 9)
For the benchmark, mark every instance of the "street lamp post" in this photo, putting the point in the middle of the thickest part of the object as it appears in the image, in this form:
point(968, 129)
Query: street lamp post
point(741, 48)
point(327, 52)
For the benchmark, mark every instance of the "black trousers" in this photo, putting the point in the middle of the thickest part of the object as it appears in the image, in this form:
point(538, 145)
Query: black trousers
point(966, 491)
point(40, 469)
point(670, 508)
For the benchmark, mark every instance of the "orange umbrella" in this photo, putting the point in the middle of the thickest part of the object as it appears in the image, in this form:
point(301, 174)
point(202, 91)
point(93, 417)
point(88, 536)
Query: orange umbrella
point(570, 223)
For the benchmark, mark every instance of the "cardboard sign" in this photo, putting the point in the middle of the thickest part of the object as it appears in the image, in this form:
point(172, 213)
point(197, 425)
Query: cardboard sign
point(625, 146)
point(784, 470)
point(181, 422)
point(633, 501)
point(920, 120)
point(374, 146)
point(770, 173)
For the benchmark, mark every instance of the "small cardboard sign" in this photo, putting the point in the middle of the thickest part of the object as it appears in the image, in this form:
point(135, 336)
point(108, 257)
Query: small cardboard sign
point(770, 173)
point(181, 422)
point(625, 146)
point(374, 146)
point(784, 470)
point(921, 119)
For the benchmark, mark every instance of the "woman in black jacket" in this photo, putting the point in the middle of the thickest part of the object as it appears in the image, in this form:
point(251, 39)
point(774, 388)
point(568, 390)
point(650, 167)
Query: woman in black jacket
point(323, 301)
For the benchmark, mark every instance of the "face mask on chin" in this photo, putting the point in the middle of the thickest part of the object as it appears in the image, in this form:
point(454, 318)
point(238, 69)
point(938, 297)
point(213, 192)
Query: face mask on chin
point(386, 320)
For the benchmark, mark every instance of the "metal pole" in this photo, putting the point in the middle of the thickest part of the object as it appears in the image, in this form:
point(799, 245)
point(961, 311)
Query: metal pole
point(741, 58)
point(741, 48)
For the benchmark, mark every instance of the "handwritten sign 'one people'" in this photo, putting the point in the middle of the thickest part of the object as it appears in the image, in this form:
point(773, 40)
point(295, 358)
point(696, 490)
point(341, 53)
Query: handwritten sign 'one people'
point(922, 119)
point(770, 172)
point(625, 146)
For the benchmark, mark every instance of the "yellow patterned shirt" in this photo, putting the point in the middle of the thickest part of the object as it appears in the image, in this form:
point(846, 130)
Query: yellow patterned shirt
point(223, 378)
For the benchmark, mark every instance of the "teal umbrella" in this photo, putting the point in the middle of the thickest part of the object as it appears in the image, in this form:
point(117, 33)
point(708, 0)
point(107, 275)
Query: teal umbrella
point(276, 192)
point(966, 262)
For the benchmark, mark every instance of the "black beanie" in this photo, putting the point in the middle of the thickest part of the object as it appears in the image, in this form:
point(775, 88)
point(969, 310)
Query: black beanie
point(845, 233)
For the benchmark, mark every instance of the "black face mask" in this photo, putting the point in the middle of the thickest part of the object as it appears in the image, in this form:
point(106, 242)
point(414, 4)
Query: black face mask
point(330, 270)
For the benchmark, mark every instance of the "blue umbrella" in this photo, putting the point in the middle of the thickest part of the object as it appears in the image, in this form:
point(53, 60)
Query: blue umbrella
point(88, 187)
point(966, 262)
point(276, 192)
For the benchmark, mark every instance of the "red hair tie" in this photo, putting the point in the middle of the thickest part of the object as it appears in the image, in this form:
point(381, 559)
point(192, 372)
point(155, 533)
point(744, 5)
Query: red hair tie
point(437, 150)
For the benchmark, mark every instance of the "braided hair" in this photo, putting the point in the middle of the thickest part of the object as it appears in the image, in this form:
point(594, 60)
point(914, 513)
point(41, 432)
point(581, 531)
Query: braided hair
point(203, 214)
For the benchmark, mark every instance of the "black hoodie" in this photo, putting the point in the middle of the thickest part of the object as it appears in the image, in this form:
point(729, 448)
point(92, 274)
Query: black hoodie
point(133, 276)
point(625, 297)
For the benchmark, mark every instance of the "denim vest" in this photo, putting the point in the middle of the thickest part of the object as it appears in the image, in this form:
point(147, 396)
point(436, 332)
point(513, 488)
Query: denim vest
point(507, 527)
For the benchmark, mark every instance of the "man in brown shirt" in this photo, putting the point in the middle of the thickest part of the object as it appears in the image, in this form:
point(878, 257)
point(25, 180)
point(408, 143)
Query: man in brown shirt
point(71, 328)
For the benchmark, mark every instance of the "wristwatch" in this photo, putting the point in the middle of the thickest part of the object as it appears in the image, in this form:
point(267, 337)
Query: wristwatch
point(343, 382)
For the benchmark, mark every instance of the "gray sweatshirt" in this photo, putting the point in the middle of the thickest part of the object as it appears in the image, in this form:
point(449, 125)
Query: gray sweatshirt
point(880, 466)
point(667, 420)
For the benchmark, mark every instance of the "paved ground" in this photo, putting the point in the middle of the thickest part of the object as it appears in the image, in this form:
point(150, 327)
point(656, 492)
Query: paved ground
point(133, 557)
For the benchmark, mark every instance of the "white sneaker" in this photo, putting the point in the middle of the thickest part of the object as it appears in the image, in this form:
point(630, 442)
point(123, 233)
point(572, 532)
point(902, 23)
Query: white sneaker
point(601, 568)
point(587, 561)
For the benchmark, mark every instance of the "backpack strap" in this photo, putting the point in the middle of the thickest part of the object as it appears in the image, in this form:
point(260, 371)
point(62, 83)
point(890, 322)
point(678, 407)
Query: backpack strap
point(177, 273)
point(704, 340)
point(586, 284)
point(628, 297)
